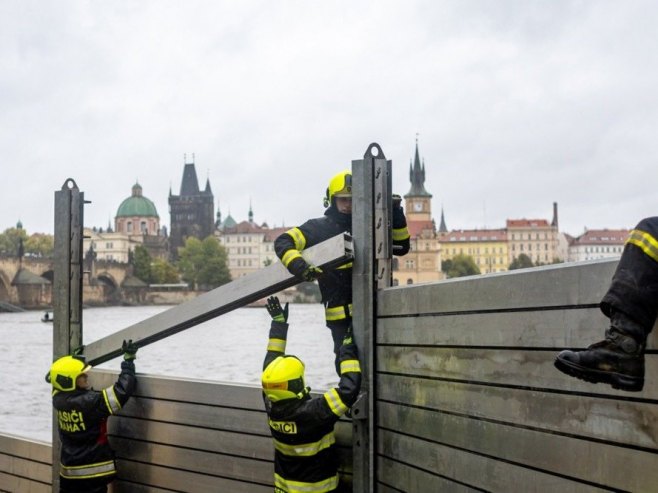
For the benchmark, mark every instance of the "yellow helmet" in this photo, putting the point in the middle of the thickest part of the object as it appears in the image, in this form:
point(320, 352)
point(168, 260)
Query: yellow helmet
point(340, 185)
point(64, 372)
point(283, 379)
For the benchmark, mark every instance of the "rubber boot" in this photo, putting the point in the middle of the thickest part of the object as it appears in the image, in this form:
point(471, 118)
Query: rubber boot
point(618, 360)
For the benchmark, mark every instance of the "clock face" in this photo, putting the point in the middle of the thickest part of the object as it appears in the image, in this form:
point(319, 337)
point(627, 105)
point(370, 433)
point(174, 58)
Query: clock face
point(418, 206)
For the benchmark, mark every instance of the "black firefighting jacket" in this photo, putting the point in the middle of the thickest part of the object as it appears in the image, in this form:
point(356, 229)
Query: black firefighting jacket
point(335, 284)
point(82, 422)
point(303, 429)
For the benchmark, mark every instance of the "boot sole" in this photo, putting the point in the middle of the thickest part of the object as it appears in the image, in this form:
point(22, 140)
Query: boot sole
point(616, 380)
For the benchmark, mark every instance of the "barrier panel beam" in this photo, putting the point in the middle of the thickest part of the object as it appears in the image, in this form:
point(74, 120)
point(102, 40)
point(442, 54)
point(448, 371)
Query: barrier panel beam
point(223, 299)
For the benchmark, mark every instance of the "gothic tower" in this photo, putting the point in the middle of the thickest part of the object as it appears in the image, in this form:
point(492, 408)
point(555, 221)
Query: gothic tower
point(418, 201)
point(191, 212)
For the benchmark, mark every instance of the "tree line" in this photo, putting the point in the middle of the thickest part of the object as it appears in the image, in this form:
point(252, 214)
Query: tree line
point(203, 264)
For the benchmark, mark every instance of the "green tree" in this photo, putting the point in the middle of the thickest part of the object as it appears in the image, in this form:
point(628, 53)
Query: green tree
point(459, 266)
point(521, 262)
point(203, 264)
point(10, 239)
point(142, 263)
point(40, 245)
point(162, 272)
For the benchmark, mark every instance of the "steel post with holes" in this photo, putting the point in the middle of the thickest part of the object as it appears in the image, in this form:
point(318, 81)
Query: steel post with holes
point(67, 285)
point(371, 212)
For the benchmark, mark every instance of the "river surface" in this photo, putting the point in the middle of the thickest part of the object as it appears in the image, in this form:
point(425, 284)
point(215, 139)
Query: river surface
point(229, 348)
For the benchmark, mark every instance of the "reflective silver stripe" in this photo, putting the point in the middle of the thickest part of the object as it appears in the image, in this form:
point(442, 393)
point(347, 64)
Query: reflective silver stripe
point(350, 365)
point(337, 312)
point(400, 234)
point(645, 241)
point(328, 484)
point(289, 256)
point(111, 400)
point(305, 449)
point(278, 345)
point(335, 402)
point(90, 471)
point(298, 237)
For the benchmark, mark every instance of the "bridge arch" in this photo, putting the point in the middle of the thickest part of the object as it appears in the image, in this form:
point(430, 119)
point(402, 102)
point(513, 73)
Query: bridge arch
point(110, 286)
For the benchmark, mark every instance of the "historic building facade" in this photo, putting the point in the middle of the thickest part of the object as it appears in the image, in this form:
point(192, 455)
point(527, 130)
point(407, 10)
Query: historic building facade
point(136, 223)
point(191, 212)
point(536, 238)
point(598, 243)
point(487, 247)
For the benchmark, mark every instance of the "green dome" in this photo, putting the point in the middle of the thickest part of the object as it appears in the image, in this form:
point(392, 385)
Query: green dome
point(137, 205)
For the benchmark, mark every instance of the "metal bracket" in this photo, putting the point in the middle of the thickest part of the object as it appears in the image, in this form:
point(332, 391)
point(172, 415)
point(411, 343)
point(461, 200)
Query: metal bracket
point(360, 408)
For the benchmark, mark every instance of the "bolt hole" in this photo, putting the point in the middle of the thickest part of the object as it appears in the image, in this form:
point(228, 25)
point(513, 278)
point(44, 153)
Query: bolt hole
point(374, 151)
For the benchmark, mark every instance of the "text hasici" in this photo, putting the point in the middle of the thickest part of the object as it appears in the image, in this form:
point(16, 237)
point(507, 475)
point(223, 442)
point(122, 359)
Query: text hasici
point(71, 421)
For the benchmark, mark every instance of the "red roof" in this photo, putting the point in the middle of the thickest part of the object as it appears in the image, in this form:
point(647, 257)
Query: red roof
point(602, 237)
point(527, 223)
point(417, 227)
point(475, 235)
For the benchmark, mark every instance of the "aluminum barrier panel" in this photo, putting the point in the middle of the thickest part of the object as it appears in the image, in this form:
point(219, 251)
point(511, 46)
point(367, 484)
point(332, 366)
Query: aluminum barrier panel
point(468, 398)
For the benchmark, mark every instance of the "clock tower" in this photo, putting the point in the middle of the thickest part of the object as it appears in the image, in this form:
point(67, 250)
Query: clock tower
point(418, 201)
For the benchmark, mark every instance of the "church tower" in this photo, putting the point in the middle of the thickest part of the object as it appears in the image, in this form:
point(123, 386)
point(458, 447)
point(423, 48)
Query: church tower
point(191, 212)
point(418, 201)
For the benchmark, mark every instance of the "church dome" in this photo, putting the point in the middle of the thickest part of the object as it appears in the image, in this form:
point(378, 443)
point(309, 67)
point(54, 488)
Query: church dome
point(137, 205)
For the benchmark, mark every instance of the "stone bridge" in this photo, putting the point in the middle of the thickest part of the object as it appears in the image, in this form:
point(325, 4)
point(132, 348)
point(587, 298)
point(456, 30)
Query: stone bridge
point(28, 283)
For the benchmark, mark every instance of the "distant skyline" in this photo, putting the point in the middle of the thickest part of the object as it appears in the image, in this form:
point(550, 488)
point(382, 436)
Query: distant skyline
point(517, 105)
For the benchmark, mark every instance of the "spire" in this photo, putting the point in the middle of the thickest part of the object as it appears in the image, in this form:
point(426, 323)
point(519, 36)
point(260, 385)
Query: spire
point(251, 213)
point(442, 227)
point(190, 184)
point(417, 176)
point(208, 190)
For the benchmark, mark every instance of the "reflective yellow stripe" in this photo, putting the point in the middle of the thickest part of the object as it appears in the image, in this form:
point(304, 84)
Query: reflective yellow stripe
point(335, 402)
point(328, 484)
point(306, 449)
point(289, 256)
point(350, 365)
point(298, 237)
point(111, 400)
point(278, 345)
point(337, 313)
point(400, 234)
point(645, 241)
point(88, 471)
point(345, 266)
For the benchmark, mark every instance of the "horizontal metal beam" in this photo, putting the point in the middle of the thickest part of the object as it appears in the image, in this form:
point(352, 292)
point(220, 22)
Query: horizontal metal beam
point(223, 299)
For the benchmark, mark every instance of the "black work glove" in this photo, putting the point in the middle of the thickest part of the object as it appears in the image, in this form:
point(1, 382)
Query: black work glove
point(277, 313)
point(397, 201)
point(311, 273)
point(129, 349)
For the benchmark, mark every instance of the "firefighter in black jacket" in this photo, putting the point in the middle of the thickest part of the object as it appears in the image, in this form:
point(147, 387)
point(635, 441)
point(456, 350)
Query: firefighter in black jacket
point(336, 284)
point(631, 304)
point(87, 461)
point(303, 427)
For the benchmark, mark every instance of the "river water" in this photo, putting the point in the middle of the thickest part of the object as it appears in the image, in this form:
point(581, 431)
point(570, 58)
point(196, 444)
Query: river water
point(229, 348)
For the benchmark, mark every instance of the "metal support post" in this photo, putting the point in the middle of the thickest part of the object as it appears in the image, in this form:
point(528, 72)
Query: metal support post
point(67, 285)
point(371, 212)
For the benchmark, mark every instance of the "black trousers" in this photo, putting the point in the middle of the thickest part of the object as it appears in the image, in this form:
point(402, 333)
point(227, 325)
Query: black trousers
point(92, 485)
point(634, 286)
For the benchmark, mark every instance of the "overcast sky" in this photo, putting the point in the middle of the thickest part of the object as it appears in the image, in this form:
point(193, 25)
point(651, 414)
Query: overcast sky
point(517, 104)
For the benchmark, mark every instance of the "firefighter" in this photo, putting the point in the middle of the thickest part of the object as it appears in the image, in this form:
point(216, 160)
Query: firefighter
point(87, 461)
point(631, 304)
point(303, 427)
point(335, 284)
